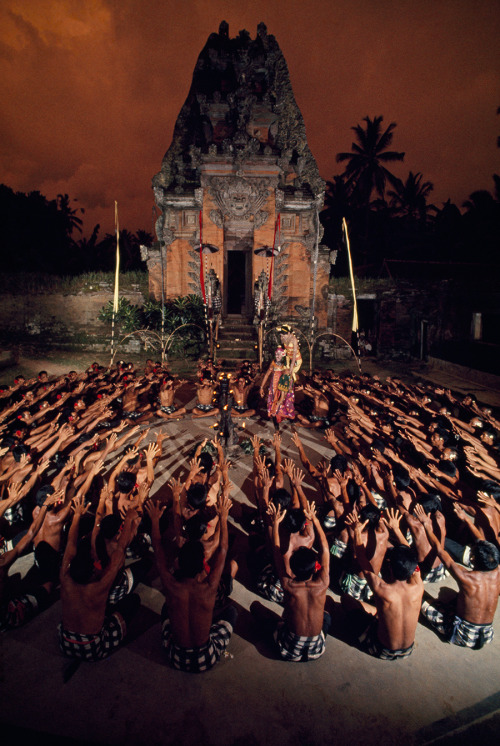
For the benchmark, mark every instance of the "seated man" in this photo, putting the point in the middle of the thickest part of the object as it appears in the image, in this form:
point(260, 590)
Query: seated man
point(193, 641)
point(168, 410)
point(390, 633)
point(87, 631)
point(300, 635)
point(205, 390)
point(468, 621)
point(241, 387)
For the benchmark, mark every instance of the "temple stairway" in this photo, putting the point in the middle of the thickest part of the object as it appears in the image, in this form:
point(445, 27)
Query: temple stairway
point(237, 341)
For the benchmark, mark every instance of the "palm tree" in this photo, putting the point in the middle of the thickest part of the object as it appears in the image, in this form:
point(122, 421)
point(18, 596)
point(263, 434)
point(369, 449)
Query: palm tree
point(409, 198)
point(365, 171)
point(69, 214)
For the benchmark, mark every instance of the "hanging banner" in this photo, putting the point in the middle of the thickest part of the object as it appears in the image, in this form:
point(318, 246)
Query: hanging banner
point(277, 226)
point(202, 277)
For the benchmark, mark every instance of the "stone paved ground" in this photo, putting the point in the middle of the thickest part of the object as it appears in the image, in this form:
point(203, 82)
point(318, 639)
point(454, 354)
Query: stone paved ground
point(441, 694)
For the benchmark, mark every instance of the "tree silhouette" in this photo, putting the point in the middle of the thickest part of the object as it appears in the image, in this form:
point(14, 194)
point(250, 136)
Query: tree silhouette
point(366, 171)
point(409, 198)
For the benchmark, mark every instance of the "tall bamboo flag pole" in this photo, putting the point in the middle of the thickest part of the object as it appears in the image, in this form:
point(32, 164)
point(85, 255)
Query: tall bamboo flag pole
point(355, 324)
point(117, 283)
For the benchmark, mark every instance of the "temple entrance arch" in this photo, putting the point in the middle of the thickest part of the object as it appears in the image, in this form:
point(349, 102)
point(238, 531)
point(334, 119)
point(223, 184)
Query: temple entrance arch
point(237, 286)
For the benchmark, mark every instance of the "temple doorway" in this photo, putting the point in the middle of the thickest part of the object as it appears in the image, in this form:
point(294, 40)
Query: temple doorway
point(237, 292)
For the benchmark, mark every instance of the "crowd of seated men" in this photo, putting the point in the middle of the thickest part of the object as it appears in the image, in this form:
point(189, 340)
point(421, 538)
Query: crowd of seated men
point(408, 495)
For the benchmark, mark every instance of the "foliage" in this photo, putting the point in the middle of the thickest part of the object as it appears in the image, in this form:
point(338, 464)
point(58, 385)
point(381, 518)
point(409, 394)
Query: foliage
point(186, 312)
point(32, 283)
point(40, 234)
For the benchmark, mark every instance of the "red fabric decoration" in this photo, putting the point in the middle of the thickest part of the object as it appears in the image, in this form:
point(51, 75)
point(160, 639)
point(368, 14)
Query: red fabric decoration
point(317, 566)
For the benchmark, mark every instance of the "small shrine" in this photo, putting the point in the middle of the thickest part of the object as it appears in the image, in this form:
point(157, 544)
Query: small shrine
point(239, 190)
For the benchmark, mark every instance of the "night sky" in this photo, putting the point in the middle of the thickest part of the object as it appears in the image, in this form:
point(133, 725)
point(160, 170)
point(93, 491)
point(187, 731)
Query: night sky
point(91, 89)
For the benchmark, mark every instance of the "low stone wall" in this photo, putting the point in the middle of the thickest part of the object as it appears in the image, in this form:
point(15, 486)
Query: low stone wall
point(58, 320)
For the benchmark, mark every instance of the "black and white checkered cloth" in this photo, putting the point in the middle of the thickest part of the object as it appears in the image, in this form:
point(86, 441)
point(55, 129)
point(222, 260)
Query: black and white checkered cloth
point(93, 647)
point(371, 644)
point(297, 648)
point(198, 659)
point(456, 630)
point(269, 585)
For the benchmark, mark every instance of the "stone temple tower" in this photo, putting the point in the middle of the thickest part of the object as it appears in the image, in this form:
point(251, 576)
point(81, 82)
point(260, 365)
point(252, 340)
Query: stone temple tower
point(238, 159)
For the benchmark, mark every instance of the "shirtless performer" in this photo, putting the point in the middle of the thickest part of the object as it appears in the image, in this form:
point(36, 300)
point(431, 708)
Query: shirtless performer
point(168, 410)
point(240, 390)
point(86, 631)
point(300, 634)
point(390, 634)
point(192, 640)
point(321, 407)
point(468, 621)
point(205, 390)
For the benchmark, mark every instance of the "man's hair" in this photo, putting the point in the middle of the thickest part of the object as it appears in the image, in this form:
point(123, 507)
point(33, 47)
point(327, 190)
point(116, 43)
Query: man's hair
point(282, 498)
point(371, 514)
point(378, 444)
point(402, 561)
point(447, 467)
point(353, 490)
point(443, 434)
point(43, 493)
point(125, 482)
point(190, 558)
point(401, 477)
point(338, 462)
point(195, 527)
point(18, 451)
point(133, 461)
point(206, 462)
point(303, 562)
point(295, 520)
point(110, 525)
point(485, 556)
point(430, 502)
point(81, 567)
point(196, 496)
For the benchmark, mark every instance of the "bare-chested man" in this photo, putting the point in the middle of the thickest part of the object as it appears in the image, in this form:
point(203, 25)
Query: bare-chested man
point(192, 640)
point(300, 634)
point(468, 621)
point(167, 409)
point(390, 634)
point(241, 387)
point(86, 631)
point(205, 390)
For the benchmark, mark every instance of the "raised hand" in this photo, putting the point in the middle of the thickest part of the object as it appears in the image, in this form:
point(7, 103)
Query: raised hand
point(421, 515)
point(152, 451)
point(224, 504)
point(296, 440)
point(276, 514)
point(392, 518)
point(176, 487)
point(154, 510)
point(78, 505)
point(310, 511)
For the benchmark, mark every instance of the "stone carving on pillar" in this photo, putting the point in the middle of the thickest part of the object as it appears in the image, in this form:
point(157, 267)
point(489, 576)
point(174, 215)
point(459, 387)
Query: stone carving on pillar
point(260, 219)
point(217, 218)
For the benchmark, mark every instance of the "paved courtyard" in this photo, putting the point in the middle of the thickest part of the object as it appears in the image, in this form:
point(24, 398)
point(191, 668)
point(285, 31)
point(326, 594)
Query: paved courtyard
point(441, 694)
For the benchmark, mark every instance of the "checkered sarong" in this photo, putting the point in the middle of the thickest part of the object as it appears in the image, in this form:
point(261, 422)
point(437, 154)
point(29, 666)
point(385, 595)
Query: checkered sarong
point(168, 410)
point(124, 582)
point(298, 648)
point(329, 522)
point(371, 644)
point(435, 574)
point(338, 548)
point(354, 586)
point(199, 659)
point(93, 647)
point(456, 630)
point(269, 585)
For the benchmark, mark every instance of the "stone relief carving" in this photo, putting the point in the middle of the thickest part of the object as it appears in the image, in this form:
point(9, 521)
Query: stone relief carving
point(238, 197)
point(217, 217)
point(260, 219)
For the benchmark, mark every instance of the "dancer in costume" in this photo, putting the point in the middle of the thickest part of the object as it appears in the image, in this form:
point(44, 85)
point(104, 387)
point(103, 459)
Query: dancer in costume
point(280, 396)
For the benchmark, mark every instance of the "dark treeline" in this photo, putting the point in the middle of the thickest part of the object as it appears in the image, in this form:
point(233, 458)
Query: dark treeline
point(41, 235)
point(393, 219)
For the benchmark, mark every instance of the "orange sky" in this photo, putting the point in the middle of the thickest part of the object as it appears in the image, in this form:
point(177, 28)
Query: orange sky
point(91, 89)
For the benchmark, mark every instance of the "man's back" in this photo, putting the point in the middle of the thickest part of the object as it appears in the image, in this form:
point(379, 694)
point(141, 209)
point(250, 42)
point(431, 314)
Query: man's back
point(190, 604)
point(304, 605)
point(398, 606)
point(478, 595)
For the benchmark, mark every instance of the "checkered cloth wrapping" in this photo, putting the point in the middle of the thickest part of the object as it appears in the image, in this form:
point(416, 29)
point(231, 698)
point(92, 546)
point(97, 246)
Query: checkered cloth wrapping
point(338, 548)
point(456, 630)
point(298, 648)
point(199, 659)
point(371, 644)
point(269, 585)
point(435, 574)
point(354, 586)
point(381, 501)
point(93, 647)
point(168, 410)
point(124, 582)
point(329, 522)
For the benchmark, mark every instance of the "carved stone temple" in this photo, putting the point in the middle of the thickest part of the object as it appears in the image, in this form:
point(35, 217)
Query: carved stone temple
point(238, 159)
